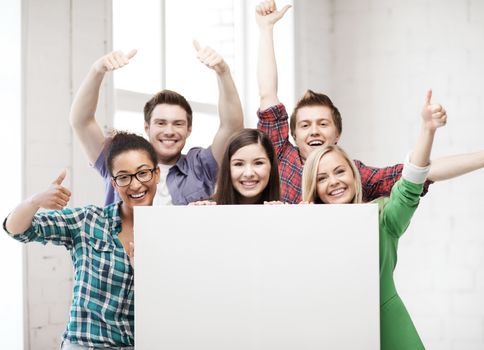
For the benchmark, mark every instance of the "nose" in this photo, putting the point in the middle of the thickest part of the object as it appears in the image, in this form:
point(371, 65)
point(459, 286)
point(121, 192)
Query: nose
point(135, 183)
point(168, 130)
point(333, 181)
point(248, 171)
point(314, 129)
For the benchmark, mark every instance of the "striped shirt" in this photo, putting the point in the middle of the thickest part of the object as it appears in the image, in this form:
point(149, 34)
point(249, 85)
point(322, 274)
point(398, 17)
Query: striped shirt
point(375, 182)
point(102, 310)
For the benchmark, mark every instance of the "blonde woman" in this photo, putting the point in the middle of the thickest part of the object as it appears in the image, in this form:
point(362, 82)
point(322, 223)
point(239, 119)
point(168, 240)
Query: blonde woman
point(331, 177)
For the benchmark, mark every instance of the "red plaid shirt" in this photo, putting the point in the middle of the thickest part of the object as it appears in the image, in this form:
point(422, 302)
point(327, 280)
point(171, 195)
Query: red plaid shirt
point(376, 182)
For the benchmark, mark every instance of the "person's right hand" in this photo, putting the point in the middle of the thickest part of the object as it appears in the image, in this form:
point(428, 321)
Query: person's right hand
point(113, 60)
point(266, 13)
point(55, 197)
point(433, 114)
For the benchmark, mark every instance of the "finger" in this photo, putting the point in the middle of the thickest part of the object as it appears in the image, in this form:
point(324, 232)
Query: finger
point(119, 58)
point(61, 177)
point(60, 204)
point(111, 62)
point(196, 45)
point(65, 191)
point(284, 10)
point(62, 196)
point(213, 60)
point(131, 54)
point(428, 97)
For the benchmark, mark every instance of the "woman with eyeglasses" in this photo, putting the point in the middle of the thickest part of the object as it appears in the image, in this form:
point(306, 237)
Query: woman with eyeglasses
point(99, 240)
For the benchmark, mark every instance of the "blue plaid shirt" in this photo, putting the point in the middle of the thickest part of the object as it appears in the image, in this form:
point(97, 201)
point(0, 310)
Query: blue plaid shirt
point(102, 311)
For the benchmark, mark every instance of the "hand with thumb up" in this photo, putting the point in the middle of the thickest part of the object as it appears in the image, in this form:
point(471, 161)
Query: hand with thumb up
point(55, 197)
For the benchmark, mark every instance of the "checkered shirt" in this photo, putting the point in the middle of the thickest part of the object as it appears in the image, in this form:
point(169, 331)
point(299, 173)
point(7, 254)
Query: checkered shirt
point(102, 311)
point(376, 182)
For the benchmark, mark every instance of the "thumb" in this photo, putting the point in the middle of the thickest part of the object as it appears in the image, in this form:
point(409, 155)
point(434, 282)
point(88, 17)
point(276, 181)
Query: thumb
point(131, 54)
point(284, 10)
point(428, 97)
point(196, 45)
point(60, 178)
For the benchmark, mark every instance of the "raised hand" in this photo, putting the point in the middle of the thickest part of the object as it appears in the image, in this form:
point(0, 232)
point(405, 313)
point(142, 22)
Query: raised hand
point(113, 60)
point(55, 197)
point(211, 58)
point(267, 14)
point(433, 115)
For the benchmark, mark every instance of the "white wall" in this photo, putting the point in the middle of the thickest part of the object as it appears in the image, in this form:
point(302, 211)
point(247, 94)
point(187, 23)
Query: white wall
point(11, 253)
point(60, 40)
point(381, 57)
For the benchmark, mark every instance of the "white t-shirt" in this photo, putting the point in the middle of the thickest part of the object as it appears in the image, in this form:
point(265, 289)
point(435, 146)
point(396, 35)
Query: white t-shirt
point(163, 196)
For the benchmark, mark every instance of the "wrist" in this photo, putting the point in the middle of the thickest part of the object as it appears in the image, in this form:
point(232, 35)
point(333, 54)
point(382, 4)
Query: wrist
point(34, 201)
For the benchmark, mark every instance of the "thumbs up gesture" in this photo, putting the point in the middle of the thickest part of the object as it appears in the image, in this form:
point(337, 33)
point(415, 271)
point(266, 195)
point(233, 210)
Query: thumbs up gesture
point(211, 58)
point(113, 60)
point(267, 14)
point(55, 197)
point(433, 115)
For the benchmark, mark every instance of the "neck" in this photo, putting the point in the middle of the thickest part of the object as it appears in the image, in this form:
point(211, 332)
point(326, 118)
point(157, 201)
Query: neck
point(126, 215)
point(246, 200)
point(169, 161)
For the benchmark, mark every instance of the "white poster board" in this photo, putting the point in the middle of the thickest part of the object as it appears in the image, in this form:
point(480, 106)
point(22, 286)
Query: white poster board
point(257, 277)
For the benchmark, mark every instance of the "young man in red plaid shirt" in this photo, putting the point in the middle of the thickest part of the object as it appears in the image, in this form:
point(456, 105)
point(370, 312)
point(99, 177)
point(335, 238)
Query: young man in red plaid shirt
point(315, 122)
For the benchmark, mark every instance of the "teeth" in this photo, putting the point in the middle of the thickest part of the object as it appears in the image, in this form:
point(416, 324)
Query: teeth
point(337, 192)
point(138, 195)
point(248, 183)
point(315, 143)
point(168, 141)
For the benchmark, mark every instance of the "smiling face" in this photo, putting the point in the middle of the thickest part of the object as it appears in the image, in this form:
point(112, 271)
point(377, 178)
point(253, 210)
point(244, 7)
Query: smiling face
point(314, 128)
point(168, 131)
point(335, 182)
point(136, 193)
point(250, 170)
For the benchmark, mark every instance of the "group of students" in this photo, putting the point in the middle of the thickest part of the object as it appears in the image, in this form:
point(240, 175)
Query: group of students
point(242, 166)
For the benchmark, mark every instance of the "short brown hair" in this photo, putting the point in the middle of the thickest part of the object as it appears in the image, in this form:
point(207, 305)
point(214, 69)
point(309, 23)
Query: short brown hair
point(170, 98)
point(226, 193)
point(311, 98)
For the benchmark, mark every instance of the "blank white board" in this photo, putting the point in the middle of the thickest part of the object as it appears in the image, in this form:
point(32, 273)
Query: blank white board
point(257, 277)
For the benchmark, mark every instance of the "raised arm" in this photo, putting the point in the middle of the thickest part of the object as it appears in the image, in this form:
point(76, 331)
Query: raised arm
point(83, 109)
point(267, 15)
point(433, 116)
point(405, 194)
point(55, 197)
point(229, 105)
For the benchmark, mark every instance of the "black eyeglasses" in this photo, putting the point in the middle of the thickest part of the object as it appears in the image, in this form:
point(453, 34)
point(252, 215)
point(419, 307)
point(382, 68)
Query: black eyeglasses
point(124, 180)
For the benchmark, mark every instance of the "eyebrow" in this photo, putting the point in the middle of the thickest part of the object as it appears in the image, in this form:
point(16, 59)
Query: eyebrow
point(242, 160)
point(121, 172)
point(165, 120)
point(308, 120)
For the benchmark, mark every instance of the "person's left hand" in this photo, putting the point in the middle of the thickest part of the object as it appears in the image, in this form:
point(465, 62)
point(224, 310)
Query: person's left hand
point(211, 58)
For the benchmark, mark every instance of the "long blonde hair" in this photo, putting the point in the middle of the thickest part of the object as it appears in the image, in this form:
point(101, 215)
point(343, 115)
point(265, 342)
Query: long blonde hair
point(310, 174)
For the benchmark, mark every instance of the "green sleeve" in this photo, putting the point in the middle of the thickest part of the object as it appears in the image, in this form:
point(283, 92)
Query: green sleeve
point(401, 205)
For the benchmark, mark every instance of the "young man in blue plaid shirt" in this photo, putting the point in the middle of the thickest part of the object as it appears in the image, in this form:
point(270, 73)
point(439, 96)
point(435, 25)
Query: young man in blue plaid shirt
point(100, 241)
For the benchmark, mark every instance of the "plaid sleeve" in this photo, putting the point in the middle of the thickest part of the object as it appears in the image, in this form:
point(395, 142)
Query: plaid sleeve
point(57, 227)
point(273, 122)
point(378, 182)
